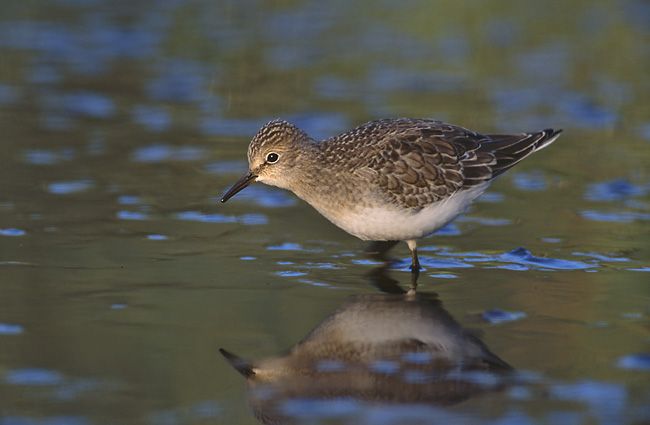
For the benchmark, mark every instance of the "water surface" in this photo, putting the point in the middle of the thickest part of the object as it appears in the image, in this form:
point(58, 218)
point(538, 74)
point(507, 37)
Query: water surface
point(122, 275)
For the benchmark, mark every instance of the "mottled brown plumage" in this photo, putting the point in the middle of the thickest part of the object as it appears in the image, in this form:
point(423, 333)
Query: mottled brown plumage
point(418, 162)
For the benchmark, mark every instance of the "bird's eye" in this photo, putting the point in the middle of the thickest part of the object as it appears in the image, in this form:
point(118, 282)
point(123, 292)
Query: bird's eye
point(272, 158)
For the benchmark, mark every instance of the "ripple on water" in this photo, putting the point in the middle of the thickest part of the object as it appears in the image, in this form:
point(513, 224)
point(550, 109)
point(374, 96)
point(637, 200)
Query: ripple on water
point(69, 187)
point(162, 152)
point(615, 216)
point(12, 231)
point(602, 257)
point(444, 276)
point(524, 257)
point(247, 219)
point(639, 269)
point(435, 263)
point(157, 237)
point(496, 316)
point(286, 246)
point(290, 273)
point(614, 190)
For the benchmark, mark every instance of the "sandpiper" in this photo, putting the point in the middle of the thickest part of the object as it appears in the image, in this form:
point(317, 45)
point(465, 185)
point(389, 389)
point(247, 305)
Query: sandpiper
point(387, 180)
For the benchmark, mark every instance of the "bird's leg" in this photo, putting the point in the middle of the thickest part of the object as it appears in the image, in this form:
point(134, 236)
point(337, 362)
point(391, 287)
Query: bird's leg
point(415, 263)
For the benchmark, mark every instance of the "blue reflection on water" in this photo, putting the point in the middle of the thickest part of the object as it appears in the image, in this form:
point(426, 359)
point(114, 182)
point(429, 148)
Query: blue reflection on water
point(88, 104)
point(132, 215)
point(219, 126)
point(584, 112)
point(437, 263)
point(606, 401)
point(248, 219)
point(161, 152)
point(524, 257)
point(69, 187)
point(614, 190)
point(615, 216)
point(319, 125)
point(10, 329)
point(286, 246)
point(450, 229)
point(532, 182)
point(12, 231)
point(179, 80)
point(234, 167)
point(33, 376)
point(635, 361)
point(129, 200)
point(318, 408)
point(48, 157)
point(8, 94)
point(266, 197)
point(387, 367)
point(496, 316)
point(602, 257)
point(644, 131)
point(290, 273)
point(151, 117)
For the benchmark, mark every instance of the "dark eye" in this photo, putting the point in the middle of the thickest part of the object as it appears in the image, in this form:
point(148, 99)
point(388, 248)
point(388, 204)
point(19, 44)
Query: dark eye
point(272, 157)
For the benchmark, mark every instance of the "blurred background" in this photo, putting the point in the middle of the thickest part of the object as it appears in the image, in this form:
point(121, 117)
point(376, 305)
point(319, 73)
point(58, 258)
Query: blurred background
point(123, 121)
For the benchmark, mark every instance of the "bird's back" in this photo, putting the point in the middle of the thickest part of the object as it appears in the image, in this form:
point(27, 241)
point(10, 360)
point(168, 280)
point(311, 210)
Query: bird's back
point(417, 162)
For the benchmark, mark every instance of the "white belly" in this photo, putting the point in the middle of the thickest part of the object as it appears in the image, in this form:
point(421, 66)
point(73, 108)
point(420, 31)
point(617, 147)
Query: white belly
point(391, 224)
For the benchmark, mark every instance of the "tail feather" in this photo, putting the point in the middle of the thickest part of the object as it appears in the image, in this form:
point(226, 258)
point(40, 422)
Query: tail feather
point(509, 149)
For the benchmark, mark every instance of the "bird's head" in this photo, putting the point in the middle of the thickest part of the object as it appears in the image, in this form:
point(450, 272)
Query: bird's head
point(272, 156)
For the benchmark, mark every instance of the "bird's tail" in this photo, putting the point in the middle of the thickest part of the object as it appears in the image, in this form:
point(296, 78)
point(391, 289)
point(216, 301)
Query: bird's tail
point(509, 149)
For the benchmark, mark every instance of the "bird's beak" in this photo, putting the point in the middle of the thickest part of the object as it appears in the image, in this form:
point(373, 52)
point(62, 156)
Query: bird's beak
point(240, 185)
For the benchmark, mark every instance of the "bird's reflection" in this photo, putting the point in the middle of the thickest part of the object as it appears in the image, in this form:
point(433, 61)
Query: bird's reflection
point(394, 347)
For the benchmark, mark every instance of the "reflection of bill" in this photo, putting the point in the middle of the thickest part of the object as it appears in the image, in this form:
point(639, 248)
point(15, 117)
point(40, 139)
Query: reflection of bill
point(379, 348)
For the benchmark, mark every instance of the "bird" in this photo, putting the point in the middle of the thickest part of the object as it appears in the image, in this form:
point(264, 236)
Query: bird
point(397, 179)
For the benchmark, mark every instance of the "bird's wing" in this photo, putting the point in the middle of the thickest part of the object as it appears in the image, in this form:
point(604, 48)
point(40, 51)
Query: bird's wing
point(419, 162)
point(427, 162)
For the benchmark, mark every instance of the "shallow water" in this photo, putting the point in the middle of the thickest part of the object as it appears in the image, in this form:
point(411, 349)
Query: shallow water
point(122, 275)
